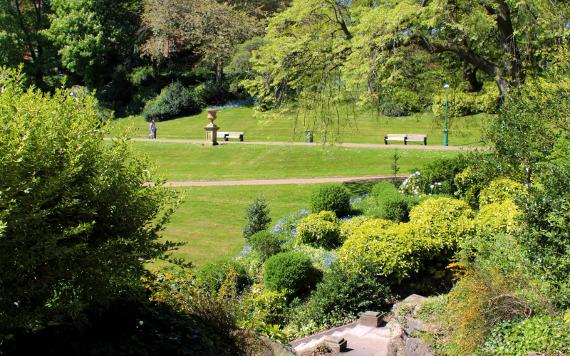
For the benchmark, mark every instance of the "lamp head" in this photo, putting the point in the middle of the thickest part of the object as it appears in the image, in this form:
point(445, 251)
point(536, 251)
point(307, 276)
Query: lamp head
point(446, 86)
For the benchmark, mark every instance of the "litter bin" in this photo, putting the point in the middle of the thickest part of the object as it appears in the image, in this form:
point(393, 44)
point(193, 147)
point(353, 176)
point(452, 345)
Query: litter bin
point(308, 136)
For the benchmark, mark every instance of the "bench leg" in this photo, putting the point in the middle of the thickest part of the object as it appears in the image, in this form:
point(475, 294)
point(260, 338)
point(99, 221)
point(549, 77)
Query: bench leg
point(241, 138)
point(385, 141)
point(425, 141)
point(405, 141)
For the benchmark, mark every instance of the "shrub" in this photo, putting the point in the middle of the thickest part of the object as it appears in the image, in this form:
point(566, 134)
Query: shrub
point(173, 101)
point(500, 190)
point(286, 227)
point(461, 103)
point(321, 258)
point(337, 300)
point(320, 230)
point(72, 202)
point(546, 335)
point(264, 311)
point(335, 198)
point(257, 217)
point(501, 217)
point(383, 191)
point(438, 177)
point(445, 221)
point(348, 227)
point(212, 276)
point(498, 283)
point(290, 271)
point(265, 244)
point(386, 249)
point(392, 204)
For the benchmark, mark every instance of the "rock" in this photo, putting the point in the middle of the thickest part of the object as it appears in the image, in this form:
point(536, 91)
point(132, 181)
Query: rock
point(396, 342)
point(414, 325)
point(415, 347)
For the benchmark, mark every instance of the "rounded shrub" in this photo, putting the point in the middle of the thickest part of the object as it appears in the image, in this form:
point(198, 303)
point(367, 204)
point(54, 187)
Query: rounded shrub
point(445, 221)
point(290, 271)
point(335, 198)
point(500, 190)
point(265, 244)
point(173, 101)
point(320, 230)
point(500, 217)
point(383, 191)
point(212, 276)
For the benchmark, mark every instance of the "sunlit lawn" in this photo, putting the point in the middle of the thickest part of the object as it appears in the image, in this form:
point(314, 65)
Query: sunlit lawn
point(185, 161)
point(211, 219)
point(365, 127)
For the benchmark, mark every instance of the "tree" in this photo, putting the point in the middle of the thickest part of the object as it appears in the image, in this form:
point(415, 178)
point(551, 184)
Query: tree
point(93, 35)
point(208, 29)
point(257, 215)
point(22, 39)
point(503, 39)
point(77, 221)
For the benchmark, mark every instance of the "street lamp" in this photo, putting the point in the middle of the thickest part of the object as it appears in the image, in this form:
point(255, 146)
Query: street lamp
point(445, 134)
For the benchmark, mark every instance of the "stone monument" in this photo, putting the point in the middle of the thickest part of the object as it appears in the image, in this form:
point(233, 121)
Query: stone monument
point(211, 128)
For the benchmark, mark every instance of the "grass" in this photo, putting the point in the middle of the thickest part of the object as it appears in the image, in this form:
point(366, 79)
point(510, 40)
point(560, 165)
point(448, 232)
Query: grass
point(189, 162)
point(363, 127)
point(211, 219)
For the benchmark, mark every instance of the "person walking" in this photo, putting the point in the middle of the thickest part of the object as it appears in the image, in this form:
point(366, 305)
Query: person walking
point(152, 129)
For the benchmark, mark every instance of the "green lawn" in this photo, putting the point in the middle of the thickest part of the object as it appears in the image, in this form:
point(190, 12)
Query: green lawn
point(185, 162)
point(211, 219)
point(365, 127)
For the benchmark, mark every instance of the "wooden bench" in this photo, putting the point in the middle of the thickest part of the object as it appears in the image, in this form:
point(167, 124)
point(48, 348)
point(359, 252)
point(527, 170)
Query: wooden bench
point(227, 135)
point(406, 138)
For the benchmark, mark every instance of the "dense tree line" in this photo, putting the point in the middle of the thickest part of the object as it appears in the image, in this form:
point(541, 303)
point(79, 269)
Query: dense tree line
point(394, 55)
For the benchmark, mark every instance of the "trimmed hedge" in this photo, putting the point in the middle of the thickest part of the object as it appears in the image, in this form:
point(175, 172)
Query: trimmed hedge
point(290, 271)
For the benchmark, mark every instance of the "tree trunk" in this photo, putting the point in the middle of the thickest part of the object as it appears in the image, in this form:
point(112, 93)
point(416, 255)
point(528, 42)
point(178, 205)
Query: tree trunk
point(470, 76)
point(219, 73)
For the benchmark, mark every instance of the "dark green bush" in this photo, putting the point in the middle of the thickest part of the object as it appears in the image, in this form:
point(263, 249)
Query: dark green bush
point(291, 271)
point(391, 204)
point(211, 276)
point(257, 217)
point(265, 244)
point(338, 299)
point(173, 101)
point(335, 198)
point(437, 177)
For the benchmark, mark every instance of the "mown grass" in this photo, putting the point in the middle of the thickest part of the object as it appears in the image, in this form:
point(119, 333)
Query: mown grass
point(362, 127)
point(210, 219)
point(189, 162)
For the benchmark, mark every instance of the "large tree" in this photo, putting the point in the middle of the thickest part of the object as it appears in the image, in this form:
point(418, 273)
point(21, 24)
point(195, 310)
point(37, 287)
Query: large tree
point(199, 30)
point(22, 39)
point(93, 36)
point(503, 39)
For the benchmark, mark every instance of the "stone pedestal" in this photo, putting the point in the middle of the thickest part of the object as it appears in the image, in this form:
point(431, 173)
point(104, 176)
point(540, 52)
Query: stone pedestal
point(211, 128)
point(336, 344)
point(371, 318)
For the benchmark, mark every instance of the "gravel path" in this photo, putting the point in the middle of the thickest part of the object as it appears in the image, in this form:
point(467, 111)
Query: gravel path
point(349, 145)
point(279, 181)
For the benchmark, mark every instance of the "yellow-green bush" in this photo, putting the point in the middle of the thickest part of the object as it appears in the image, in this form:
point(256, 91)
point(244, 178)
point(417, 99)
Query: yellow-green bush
point(498, 217)
point(263, 311)
point(461, 103)
point(500, 190)
point(445, 221)
point(383, 248)
point(320, 230)
point(348, 227)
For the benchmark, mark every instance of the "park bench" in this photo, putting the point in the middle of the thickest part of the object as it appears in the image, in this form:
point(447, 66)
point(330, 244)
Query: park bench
point(406, 138)
point(227, 135)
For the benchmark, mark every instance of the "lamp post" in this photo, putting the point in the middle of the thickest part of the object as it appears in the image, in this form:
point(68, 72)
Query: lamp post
point(445, 132)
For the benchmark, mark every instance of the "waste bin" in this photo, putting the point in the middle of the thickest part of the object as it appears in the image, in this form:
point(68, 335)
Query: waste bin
point(308, 136)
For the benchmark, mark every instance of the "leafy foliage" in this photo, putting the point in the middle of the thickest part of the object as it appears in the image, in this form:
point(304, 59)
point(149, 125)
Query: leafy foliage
point(320, 230)
point(335, 198)
point(338, 299)
point(290, 271)
point(70, 201)
point(211, 277)
point(265, 244)
point(544, 334)
point(173, 101)
point(257, 215)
